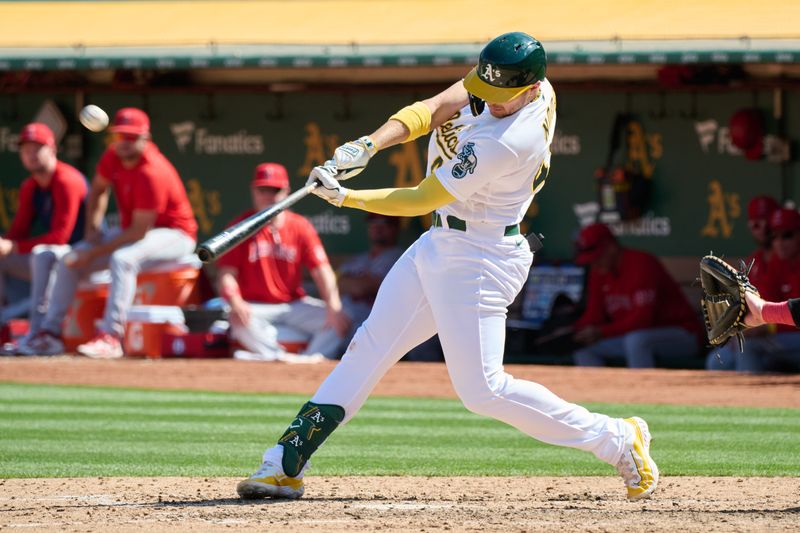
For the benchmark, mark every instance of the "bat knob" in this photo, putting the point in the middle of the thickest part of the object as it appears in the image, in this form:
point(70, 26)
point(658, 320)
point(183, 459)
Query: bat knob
point(204, 254)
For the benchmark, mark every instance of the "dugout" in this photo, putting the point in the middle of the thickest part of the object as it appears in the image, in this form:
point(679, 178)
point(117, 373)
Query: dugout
point(232, 84)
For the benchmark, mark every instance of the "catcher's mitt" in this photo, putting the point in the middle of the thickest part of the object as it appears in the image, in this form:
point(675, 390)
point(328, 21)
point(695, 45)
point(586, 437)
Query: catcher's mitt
point(723, 303)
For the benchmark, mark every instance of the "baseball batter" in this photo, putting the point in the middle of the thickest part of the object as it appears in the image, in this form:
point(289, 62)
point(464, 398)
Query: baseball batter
point(489, 154)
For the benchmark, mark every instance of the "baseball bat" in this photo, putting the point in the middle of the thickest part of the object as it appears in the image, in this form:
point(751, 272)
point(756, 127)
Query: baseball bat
point(225, 241)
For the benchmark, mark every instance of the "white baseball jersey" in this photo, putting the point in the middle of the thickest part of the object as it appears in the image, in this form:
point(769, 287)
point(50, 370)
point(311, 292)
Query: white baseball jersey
point(494, 166)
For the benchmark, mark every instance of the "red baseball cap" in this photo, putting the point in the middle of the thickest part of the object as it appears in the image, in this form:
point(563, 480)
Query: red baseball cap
point(590, 243)
point(131, 121)
point(785, 219)
point(762, 207)
point(36, 132)
point(271, 175)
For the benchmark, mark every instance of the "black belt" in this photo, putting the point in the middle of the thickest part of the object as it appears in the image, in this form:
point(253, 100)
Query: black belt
point(461, 225)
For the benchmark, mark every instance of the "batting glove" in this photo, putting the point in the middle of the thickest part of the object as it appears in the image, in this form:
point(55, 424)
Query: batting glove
point(329, 188)
point(352, 157)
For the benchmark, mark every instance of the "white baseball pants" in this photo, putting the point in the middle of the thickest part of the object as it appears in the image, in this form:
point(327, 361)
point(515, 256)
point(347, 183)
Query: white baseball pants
point(460, 284)
point(306, 315)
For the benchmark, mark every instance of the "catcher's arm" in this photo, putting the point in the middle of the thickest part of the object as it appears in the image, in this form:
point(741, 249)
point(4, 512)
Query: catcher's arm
point(760, 311)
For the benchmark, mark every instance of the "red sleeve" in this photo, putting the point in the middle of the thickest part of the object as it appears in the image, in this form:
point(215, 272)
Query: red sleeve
point(312, 253)
point(147, 194)
point(648, 277)
point(107, 165)
point(593, 314)
point(68, 193)
point(23, 219)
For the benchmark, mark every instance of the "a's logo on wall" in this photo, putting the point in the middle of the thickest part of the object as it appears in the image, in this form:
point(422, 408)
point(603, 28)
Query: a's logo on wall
point(467, 161)
point(187, 134)
point(723, 210)
point(490, 73)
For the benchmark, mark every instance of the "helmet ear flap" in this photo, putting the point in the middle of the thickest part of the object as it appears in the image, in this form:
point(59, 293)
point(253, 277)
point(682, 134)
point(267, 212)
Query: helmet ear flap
point(476, 105)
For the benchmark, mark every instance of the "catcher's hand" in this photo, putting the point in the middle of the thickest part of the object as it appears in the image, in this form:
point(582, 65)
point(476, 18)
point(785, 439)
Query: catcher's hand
point(723, 303)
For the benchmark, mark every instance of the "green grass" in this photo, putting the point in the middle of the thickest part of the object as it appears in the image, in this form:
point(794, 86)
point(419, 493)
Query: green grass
point(50, 431)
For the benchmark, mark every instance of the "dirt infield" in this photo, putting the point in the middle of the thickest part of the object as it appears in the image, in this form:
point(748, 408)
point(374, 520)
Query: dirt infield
point(401, 504)
point(405, 503)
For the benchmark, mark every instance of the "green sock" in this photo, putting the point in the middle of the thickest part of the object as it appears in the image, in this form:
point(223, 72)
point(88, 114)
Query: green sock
point(306, 433)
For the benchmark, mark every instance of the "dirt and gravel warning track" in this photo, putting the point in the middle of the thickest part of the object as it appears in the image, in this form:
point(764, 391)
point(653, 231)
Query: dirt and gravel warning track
point(405, 503)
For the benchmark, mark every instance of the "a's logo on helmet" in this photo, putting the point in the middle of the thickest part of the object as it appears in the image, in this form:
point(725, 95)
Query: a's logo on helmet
point(490, 73)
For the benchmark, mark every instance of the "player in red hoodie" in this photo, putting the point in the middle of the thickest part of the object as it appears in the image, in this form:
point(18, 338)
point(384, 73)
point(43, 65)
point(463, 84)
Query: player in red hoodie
point(50, 211)
point(634, 311)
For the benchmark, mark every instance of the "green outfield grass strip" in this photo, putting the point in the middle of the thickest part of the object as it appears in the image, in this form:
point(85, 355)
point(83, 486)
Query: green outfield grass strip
point(57, 431)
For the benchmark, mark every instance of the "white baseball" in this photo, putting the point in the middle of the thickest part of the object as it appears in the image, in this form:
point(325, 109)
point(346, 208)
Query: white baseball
point(94, 118)
point(70, 258)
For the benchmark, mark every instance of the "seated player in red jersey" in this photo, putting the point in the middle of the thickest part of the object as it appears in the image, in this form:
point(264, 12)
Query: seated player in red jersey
point(635, 310)
point(262, 280)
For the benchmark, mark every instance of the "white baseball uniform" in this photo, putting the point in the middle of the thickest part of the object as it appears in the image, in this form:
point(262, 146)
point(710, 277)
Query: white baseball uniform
point(458, 279)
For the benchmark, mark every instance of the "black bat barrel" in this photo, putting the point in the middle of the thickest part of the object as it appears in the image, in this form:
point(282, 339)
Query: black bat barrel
point(220, 244)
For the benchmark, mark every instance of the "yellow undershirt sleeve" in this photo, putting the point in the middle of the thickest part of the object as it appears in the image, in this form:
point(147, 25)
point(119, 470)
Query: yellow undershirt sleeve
point(405, 202)
point(416, 117)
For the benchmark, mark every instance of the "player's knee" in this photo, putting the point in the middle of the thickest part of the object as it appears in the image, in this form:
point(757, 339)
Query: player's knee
point(122, 260)
point(485, 396)
point(637, 342)
point(362, 344)
point(42, 255)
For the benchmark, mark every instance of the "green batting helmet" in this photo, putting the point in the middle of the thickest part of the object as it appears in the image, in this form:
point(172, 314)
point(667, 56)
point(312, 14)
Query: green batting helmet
point(507, 66)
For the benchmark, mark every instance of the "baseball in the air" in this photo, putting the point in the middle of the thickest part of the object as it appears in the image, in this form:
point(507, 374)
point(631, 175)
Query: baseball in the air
point(70, 258)
point(94, 118)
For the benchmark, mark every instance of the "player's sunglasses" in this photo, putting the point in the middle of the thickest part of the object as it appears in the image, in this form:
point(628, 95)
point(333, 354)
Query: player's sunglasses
point(265, 190)
point(129, 137)
point(786, 235)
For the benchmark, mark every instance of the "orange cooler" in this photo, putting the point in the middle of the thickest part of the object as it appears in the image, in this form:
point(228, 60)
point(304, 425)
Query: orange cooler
point(170, 284)
point(176, 287)
point(87, 308)
point(147, 325)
